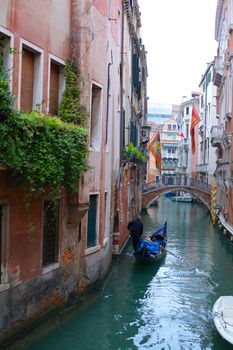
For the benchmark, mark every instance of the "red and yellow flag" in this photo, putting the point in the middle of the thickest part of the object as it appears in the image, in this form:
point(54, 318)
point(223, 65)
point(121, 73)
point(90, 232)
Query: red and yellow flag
point(155, 148)
point(195, 119)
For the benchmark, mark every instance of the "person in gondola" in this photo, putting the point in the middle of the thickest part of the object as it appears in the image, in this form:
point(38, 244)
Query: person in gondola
point(135, 228)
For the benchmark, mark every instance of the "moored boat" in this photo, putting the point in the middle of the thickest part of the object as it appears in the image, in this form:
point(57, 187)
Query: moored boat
point(152, 248)
point(184, 198)
point(223, 317)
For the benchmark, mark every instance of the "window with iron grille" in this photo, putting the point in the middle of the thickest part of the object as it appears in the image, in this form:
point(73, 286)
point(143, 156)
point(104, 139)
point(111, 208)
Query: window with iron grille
point(50, 232)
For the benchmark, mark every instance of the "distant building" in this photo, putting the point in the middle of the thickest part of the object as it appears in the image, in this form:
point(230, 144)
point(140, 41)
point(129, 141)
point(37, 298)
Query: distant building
point(163, 117)
point(206, 153)
point(169, 149)
point(186, 160)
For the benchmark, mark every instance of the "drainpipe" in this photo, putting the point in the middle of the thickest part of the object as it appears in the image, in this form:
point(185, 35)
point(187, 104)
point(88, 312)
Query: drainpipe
point(108, 96)
point(121, 76)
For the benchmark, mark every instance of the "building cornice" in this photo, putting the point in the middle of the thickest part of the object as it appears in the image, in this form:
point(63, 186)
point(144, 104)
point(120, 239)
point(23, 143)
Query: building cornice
point(132, 29)
point(218, 17)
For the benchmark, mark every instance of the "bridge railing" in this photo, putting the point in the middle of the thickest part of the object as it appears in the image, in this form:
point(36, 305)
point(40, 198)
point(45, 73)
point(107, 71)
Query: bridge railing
point(200, 185)
point(203, 186)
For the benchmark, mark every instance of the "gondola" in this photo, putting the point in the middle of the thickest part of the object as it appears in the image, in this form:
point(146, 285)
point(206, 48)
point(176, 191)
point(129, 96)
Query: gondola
point(152, 248)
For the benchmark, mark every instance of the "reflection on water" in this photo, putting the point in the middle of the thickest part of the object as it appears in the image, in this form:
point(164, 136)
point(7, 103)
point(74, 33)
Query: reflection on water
point(163, 306)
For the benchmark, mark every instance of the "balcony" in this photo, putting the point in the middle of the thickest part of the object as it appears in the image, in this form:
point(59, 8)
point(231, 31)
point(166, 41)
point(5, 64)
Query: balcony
point(202, 168)
point(217, 136)
point(218, 71)
point(184, 143)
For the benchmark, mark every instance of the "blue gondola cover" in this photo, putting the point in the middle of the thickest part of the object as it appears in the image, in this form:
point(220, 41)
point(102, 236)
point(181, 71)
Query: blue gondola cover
point(153, 247)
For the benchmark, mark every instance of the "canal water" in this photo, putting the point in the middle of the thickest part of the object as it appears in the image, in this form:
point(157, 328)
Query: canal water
point(163, 306)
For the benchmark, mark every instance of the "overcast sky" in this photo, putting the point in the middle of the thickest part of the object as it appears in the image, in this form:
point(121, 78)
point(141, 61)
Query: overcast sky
point(179, 38)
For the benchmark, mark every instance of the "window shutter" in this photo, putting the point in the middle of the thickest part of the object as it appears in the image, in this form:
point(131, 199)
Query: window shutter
point(27, 81)
point(54, 89)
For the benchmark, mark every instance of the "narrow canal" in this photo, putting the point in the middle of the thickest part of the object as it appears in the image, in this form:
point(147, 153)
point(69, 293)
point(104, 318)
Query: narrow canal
point(162, 306)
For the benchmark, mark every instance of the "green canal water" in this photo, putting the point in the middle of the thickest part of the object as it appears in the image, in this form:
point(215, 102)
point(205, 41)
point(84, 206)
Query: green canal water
point(167, 305)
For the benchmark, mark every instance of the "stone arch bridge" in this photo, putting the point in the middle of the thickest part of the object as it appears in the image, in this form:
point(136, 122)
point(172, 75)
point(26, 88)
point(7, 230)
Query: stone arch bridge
point(198, 189)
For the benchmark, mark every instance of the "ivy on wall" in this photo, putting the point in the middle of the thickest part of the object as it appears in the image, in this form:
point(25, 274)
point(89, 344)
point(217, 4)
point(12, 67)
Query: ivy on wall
point(46, 151)
point(71, 109)
point(43, 150)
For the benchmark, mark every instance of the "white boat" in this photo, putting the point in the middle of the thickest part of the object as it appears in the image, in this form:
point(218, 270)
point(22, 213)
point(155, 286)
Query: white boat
point(223, 317)
point(184, 198)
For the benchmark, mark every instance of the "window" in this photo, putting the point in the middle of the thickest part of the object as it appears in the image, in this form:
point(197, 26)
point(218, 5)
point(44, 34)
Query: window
point(30, 77)
point(50, 232)
point(187, 110)
point(92, 222)
point(106, 215)
point(133, 133)
point(118, 28)
point(174, 126)
point(3, 244)
point(169, 127)
point(231, 11)
point(54, 89)
point(6, 42)
point(56, 84)
point(28, 62)
point(95, 123)
point(131, 4)
point(122, 135)
point(187, 130)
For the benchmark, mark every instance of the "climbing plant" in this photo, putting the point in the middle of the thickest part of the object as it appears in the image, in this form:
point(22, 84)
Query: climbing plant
point(71, 109)
point(134, 153)
point(6, 98)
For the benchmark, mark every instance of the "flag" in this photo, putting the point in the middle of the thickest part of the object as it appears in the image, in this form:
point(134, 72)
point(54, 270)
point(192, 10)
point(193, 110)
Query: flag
point(195, 119)
point(180, 133)
point(155, 148)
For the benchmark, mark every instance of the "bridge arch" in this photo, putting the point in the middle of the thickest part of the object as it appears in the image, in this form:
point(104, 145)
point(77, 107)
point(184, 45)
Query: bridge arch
point(152, 194)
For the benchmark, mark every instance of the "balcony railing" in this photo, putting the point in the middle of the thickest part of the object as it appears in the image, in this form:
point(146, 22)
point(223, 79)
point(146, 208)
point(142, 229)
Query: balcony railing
point(218, 71)
point(203, 186)
point(202, 168)
point(216, 135)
